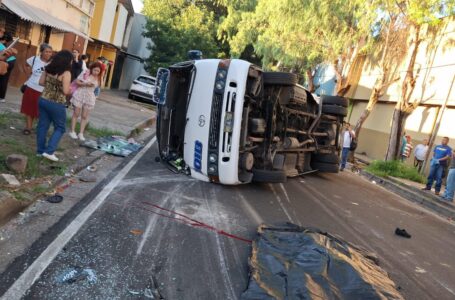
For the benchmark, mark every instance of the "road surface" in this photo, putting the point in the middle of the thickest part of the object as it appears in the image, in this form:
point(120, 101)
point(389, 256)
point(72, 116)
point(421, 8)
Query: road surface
point(131, 248)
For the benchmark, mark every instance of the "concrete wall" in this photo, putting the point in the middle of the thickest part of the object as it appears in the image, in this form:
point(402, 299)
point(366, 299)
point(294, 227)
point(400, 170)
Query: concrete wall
point(137, 45)
point(119, 26)
point(103, 20)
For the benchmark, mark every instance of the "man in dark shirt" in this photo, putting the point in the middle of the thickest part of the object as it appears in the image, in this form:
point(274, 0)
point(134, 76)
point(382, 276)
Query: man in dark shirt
point(76, 67)
point(441, 155)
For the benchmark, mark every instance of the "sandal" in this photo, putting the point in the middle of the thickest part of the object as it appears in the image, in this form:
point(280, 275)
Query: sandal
point(26, 132)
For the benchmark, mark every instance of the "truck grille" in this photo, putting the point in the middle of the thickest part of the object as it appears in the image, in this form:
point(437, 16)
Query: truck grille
point(215, 120)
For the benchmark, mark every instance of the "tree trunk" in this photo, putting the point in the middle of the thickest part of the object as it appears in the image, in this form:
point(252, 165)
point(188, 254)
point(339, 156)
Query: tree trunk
point(374, 97)
point(403, 107)
point(310, 77)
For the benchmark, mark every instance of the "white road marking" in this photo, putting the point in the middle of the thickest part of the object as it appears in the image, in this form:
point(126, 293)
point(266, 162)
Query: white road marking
point(278, 198)
point(257, 218)
point(28, 278)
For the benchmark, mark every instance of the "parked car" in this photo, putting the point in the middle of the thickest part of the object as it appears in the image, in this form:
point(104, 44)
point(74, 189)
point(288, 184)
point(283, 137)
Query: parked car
point(143, 87)
point(229, 122)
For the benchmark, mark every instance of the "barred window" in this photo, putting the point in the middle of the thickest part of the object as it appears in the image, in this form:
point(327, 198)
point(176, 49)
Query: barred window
point(14, 25)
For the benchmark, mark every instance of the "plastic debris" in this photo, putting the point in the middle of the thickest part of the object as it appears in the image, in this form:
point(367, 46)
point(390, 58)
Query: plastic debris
point(146, 129)
point(72, 275)
point(114, 145)
point(402, 232)
point(354, 203)
point(136, 231)
point(91, 168)
point(293, 262)
point(12, 127)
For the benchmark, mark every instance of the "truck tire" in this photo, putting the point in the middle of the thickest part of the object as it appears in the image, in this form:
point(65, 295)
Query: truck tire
point(325, 167)
point(335, 110)
point(329, 158)
point(272, 176)
point(279, 78)
point(334, 100)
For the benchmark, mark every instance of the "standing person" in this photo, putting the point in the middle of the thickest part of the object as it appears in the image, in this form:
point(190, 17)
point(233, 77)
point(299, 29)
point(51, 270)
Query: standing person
point(420, 153)
point(407, 148)
point(35, 67)
point(103, 71)
point(76, 67)
point(450, 183)
point(441, 154)
point(5, 40)
point(56, 80)
point(348, 135)
point(84, 59)
point(84, 98)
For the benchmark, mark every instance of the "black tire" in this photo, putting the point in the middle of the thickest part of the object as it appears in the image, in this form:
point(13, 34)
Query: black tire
point(279, 78)
point(335, 110)
point(325, 167)
point(272, 176)
point(132, 97)
point(334, 100)
point(329, 158)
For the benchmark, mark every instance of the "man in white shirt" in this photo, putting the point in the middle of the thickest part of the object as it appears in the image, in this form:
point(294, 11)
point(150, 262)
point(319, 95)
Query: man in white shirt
point(348, 135)
point(420, 152)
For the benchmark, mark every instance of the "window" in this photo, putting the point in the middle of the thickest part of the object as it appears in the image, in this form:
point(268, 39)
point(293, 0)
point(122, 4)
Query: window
point(146, 80)
point(17, 27)
point(84, 24)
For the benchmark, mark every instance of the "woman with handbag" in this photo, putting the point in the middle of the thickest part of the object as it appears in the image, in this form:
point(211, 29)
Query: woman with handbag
point(32, 89)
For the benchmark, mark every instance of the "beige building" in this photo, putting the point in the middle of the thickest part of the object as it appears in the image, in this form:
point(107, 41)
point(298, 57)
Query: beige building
point(435, 66)
point(64, 24)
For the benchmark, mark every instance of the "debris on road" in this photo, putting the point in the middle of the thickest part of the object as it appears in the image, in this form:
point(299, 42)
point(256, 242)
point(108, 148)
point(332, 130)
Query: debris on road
point(9, 179)
point(72, 275)
point(292, 262)
point(402, 232)
point(115, 145)
point(55, 198)
point(91, 168)
point(136, 231)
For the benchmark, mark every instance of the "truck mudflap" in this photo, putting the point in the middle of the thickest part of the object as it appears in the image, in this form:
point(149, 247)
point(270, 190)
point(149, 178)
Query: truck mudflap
point(292, 262)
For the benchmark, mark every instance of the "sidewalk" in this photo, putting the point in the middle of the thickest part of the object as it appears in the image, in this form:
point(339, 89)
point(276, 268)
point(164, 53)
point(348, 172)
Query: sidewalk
point(113, 110)
point(410, 190)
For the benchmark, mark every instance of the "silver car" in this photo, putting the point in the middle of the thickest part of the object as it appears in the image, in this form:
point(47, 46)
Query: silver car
point(143, 87)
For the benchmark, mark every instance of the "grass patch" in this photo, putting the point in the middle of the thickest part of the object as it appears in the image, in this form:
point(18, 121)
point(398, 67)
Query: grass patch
point(395, 168)
point(95, 132)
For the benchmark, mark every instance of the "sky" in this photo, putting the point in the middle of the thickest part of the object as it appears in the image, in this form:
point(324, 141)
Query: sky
point(138, 4)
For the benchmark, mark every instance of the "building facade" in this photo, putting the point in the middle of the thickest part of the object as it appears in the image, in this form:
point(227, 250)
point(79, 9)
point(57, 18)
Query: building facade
point(110, 21)
point(64, 24)
point(138, 52)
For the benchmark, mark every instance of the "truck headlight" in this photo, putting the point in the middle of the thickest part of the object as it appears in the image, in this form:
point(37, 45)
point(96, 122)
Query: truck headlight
point(213, 158)
point(212, 169)
point(221, 74)
point(219, 85)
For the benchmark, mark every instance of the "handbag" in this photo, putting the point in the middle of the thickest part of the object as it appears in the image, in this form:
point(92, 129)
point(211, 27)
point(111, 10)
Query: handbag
point(353, 145)
point(24, 86)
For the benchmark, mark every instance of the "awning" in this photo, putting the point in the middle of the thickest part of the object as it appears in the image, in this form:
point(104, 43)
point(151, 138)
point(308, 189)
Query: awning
point(36, 15)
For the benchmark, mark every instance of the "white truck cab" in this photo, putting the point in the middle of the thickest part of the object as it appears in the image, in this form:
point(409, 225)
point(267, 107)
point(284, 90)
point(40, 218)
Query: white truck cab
point(227, 121)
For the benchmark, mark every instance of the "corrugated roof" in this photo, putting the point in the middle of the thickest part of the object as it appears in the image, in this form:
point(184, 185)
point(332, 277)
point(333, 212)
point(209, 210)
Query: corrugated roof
point(36, 15)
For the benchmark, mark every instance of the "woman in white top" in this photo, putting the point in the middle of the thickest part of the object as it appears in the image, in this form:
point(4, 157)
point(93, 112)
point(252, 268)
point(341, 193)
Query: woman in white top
point(35, 66)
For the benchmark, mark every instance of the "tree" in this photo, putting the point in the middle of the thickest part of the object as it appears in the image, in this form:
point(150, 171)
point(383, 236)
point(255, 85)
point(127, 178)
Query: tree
point(297, 35)
point(415, 14)
point(175, 27)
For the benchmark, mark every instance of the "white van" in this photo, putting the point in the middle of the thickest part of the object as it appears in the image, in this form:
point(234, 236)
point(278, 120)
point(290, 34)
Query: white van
point(227, 121)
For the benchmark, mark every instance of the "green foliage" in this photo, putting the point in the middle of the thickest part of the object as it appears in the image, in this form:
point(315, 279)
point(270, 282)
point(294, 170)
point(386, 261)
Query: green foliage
point(395, 168)
point(175, 27)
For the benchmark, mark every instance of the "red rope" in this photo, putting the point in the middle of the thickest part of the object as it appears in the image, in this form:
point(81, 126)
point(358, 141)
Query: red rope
point(189, 221)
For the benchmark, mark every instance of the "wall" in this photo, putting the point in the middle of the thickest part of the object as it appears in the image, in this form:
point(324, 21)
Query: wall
point(107, 16)
point(137, 45)
point(119, 26)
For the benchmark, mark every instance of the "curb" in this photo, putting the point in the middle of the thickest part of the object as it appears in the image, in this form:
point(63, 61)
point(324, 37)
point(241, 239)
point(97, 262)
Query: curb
point(414, 195)
point(141, 125)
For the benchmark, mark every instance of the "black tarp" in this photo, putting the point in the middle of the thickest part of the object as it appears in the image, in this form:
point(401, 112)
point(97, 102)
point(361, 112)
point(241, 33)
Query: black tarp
point(292, 262)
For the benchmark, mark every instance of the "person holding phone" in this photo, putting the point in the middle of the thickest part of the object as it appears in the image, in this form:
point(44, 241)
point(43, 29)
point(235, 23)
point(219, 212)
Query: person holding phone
point(6, 40)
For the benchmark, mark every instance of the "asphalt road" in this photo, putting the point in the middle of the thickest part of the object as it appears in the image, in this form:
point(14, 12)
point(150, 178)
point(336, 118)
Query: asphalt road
point(131, 251)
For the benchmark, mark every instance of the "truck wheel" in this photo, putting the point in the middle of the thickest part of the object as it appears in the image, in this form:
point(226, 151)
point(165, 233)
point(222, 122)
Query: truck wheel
point(272, 176)
point(334, 100)
point(334, 110)
point(329, 158)
point(279, 78)
point(325, 167)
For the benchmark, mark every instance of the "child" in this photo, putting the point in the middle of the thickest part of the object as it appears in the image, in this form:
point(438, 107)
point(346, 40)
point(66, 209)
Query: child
point(84, 98)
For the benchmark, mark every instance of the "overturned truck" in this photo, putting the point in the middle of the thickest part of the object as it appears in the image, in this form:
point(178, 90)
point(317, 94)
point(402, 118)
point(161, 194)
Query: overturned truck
point(229, 122)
